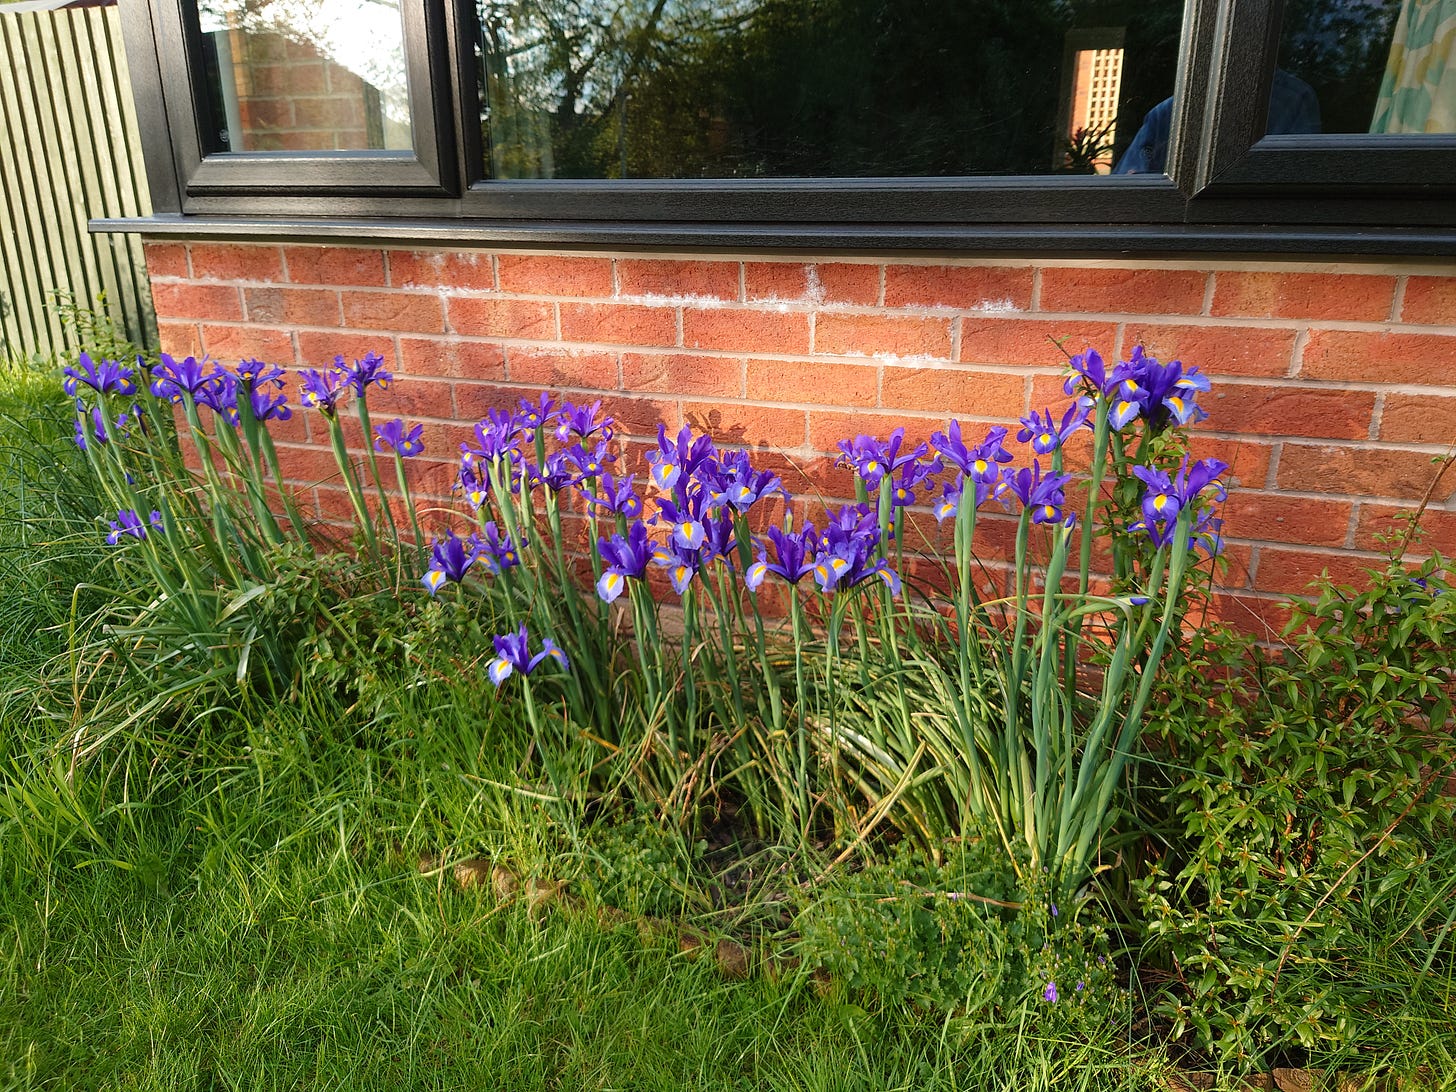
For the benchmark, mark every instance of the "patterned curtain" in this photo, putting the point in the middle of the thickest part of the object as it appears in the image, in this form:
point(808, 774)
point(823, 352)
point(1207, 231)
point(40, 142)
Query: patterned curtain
point(1418, 94)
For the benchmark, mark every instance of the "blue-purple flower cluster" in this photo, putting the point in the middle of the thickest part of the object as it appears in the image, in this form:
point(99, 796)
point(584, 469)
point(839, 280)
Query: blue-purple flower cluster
point(1140, 387)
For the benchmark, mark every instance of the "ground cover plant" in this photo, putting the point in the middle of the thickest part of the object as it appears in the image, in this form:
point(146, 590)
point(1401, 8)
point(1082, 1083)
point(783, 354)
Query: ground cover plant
point(892, 770)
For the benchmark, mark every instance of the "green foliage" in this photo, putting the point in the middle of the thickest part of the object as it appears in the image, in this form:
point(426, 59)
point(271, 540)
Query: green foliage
point(951, 939)
point(1308, 821)
point(642, 866)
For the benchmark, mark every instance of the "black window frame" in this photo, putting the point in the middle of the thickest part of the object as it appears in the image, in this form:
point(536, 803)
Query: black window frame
point(1228, 187)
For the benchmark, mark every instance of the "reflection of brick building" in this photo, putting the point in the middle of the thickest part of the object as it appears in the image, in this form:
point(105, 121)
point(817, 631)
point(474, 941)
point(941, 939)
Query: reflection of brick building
point(289, 97)
point(1095, 89)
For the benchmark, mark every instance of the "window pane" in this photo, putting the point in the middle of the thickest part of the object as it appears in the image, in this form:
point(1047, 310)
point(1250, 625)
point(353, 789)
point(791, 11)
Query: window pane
point(1366, 66)
point(305, 75)
point(824, 88)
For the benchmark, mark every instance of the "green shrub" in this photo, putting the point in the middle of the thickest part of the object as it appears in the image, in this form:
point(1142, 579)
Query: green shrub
point(1307, 803)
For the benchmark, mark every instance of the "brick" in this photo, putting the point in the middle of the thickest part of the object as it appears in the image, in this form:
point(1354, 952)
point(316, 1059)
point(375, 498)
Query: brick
point(814, 382)
point(1032, 341)
point(817, 476)
point(1347, 297)
point(469, 270)
point(583, 368)
point(1438, 527)
point(414, 398)
point(232, 343)
point(1260, 617)
point(1380, 357)
point(827, 428)
point(317, 349)
point(618, 324)
point(451, 358)
point(326, 112)
point(1216, 350)
point(474, 400)
point(1359, 472)
point(293, 306)
point(179, 339)
point(215, 302)
point(1418, 419)
point(346, 266)
point(677, 279)
point(1288, 411)
point(1290, 572)
point(554, 275)
point(954, 392)
point(412, 312)
point(1233, 567)
point(682, 374)
point(830, 282)
point(166, 259)
point(967, 288)
point(1247, 461)
point(227, 262)
point(748, 425)
point(1430, 301)
point(873, 335)
point(528, 320)
point(307, 464)
point(1123, 291)
point(266, 113)
point(641, 416)
point(743, 330)
point(1273, 518)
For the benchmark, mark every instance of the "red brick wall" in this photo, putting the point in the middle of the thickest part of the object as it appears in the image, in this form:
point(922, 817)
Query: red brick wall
point(292, 98)
point(1334, 387)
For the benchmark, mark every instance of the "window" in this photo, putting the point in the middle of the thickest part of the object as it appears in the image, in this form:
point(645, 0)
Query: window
point(1068, 125)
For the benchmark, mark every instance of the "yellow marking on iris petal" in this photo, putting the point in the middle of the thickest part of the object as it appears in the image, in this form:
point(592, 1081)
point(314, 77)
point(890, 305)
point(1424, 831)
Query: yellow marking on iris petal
point(1160, 502)
point(681, 574)
point(1045, 438)
point(434, 578)
point(838, 564)
point(1130, 385)
point(899, 494)
point(979, 466)
point(872, 467)
point(1049, 511)
point(613, 580)
point(509, 557)
point(1177, 404)
point(1124, 406)
point(822, 571)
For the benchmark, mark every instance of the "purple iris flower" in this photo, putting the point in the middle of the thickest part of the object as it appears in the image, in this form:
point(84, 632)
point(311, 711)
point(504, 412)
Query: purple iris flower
point(1206, 533)
point(173, 378)
point(322, 390)
point(512, 653)
point(681, 562)
point(911, 475)
point(853, 520)
point(127, 522)
point(574, 420)
point(1087, 368)
point(256, 378)
point(625, 559)
point(952, 492)
point(719, 540)
point(686, 516)
point(555, 473)
point(365, 373)
point(740, 486)
point(589, 464)
point(618, 495)
point(450, 559)
point(102, 376)
point(496, 551)
point(269, 407)
point(872, 460)
point(847, 551)
point(979, 463)
point(1161, 501)
point(219, 393)
point(496, 435)
point(1042, 496)
point(1204, 474)
point(680, 458)
point(1045, 436)
point(98, 424)
point(391, 436)
point(793, 557)
point(1141, 386)
point(534, 416)
point(473, 483)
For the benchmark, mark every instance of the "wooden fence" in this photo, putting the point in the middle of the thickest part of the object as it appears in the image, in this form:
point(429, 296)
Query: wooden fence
point(70, 150)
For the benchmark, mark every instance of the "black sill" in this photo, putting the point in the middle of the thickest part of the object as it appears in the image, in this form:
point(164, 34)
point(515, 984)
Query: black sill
point(1061, 240)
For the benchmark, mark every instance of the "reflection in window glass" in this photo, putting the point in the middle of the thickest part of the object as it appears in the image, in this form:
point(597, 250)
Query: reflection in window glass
point(305, 75)
point(1371, 66)
point(822, 88)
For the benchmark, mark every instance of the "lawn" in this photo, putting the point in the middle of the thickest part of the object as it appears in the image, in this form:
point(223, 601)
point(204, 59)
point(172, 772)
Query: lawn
point(265, 822)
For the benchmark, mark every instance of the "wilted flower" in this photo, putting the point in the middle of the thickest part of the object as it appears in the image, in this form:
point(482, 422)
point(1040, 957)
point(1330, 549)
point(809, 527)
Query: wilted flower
point(102, 376)
point(391, 436)
point(127, 522)
point(512, 653)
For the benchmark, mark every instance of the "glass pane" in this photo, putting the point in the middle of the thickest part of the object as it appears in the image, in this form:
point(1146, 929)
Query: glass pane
point(305, 75)
point(1366, 66)
point(824, 88)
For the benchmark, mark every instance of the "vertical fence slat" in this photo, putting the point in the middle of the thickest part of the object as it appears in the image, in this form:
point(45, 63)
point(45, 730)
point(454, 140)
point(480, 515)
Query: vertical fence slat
point(69, 149)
